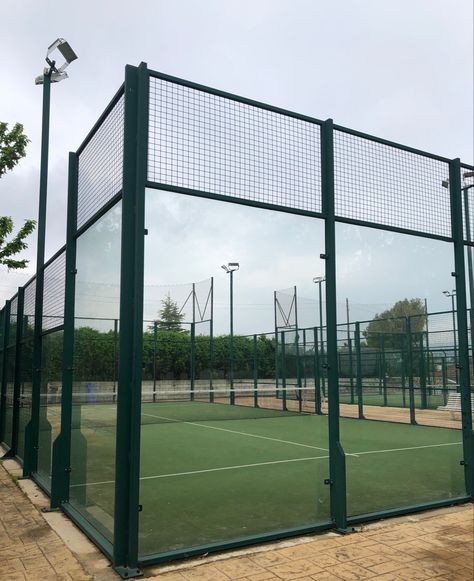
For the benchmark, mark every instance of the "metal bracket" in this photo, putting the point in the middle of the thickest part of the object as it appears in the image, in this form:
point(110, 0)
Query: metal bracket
point(454, 274)
point(462, 463)
point(140, 507)
point(49, 509)
point(328, 482)
point(323, 256)
point(128, 572)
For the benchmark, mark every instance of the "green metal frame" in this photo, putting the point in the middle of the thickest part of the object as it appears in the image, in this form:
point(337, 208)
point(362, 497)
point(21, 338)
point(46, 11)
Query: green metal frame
point(3, 377)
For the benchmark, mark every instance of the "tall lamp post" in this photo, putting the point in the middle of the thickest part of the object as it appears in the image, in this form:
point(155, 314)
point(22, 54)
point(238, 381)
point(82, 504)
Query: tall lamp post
point(230, 268)
point(452, 294)
point(51, 74)
point(319, 280)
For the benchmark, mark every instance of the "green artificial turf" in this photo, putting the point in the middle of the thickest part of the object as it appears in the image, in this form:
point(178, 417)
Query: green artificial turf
point(212, 473)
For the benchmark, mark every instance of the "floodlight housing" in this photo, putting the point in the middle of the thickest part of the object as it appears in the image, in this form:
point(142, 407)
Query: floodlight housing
point(468, 174)
point(57, 73)
point(318, 279)
point(445, 184)
point(231, 267)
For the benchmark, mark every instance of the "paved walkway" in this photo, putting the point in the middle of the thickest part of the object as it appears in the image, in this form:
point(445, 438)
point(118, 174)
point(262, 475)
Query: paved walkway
point(432, 545)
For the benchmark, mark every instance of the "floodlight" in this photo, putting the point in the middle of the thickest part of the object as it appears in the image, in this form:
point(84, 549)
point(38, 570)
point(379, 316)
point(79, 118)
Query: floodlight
point(445, 184)
point(231, 267)
point(318, 279)
point(468, 174)
point(55, 73)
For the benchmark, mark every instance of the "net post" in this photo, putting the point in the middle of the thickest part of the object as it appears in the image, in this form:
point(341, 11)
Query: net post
point(192, 358)
point(337, 469)
point(127, 454)
point(462, 325)
point(424, 402)
point(383, 369)
point(61, 453)
point(360, 401)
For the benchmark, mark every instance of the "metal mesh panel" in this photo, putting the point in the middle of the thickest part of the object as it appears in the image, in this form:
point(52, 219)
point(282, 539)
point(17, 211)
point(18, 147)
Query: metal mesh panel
point(100, 165)
point(213, 144)
point(54, 288)
point(467, 185)
point(285, 308)
point(13, 321)
point(381, 184)
point(29, 309)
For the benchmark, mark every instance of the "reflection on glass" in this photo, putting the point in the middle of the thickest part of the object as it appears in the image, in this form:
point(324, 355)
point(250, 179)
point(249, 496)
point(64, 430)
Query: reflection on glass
point(231, 444)
point(95, 376)
point(403, 369)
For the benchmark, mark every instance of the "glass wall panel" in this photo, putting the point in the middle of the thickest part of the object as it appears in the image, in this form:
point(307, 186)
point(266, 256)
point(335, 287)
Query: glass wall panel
point(26, 374)
point(10, 383)
point(95, 371)
point(402, 445)
point(50, 402)
point(231, 446)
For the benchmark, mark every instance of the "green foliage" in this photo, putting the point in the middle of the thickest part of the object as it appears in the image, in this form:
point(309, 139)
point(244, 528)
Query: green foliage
point(170, 317)
point(12, 146)
point(391, 324)
point(16, 244)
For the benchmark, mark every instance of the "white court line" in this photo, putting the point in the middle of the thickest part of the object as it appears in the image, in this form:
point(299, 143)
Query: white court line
point(239, 433)
point(403, 449)
point(210, 470)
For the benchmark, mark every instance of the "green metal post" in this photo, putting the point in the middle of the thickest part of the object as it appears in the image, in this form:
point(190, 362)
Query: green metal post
point(424, 399)
point(155, 337)
point(283, 370)
point(411, 384)
point(232, 393)
point(32, 429)
point(3, 378)
point(277, 370)
point(337, 466)
point(383, 369)
point(211, 344)
point(192, 358)
point(317, 375)
point(321, 336)
point(463, 342)
point(444, 373)
point(61, 458)
point(17, 381)
point(360, 397)
point(428, 344)
point(297, 353)
point(255, 372)
point(127, 455)
point(115, 362)
point(403, 373)
point(304, 359)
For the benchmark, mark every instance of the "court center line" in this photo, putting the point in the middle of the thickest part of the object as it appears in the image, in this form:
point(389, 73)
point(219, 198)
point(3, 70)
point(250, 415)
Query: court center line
point(237, 432)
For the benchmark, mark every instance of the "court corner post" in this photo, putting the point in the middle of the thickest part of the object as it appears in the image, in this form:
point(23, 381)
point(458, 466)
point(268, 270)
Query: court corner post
point(337, 463)
point(61, 460)
point(463, 341)
point(127, 454)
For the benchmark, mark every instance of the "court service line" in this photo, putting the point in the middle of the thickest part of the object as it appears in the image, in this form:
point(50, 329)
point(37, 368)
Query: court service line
point(237, 432)
point(238, 466)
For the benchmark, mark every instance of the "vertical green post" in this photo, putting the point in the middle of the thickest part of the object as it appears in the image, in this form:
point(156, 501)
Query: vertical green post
point(3, 377)
point(317, 375)
point(192, 359)
point(462, 326)
point(403, 373)
point(283, 370)
point(61, 458)
point(155, 337)
point(30, 461)
point(304, 359)
point(255, 372)
point(127, 453)
point(444, 372)
point(383, 369)
point(232, 393)
point(17, 380)
point(115, 362)
point(337, 464)
point(360, 400)
point(411, 383)
point(297, 351)
point(211, 344)
point(277, 369)
point(424, 399)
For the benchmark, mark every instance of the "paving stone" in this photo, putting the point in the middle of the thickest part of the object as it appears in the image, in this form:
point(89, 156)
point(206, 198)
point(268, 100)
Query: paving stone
point(296, 569)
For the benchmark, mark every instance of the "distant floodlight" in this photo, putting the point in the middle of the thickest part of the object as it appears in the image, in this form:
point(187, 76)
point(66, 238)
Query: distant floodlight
point(231, 266)
point(445, 184)
point(318, 279)
point(468, 174)
point(56, 73)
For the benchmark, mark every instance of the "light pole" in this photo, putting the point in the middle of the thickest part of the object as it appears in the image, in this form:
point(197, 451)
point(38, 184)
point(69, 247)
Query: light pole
point(452, 294)
point(319, 280)
point(51, 74)
point(230, 268)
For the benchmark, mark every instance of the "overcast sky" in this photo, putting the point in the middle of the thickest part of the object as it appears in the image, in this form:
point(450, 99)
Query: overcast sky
point(402, 70)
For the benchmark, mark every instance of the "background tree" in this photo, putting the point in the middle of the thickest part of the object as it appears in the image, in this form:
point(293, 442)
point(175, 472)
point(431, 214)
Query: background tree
point(392, 324)
point(170, 317)
point(12, 148)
